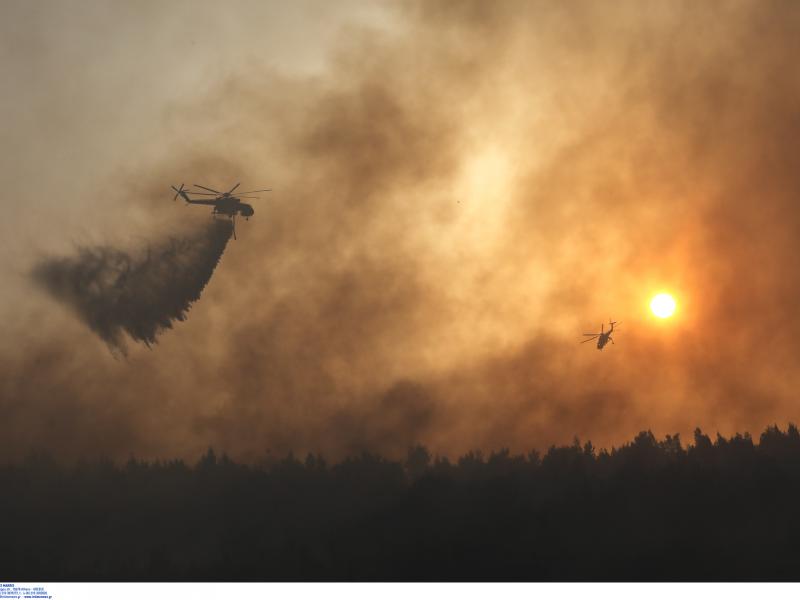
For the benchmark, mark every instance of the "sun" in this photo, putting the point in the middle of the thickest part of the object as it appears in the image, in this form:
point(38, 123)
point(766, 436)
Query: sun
point(663, 305)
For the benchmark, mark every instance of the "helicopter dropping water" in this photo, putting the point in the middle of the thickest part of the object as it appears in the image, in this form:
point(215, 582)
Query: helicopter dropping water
point(224, 203)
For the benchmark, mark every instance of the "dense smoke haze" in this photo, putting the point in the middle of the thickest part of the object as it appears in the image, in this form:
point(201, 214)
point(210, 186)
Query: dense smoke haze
point(460, 191)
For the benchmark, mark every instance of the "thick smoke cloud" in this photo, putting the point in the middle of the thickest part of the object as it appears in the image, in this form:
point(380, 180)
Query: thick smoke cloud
point(458, 196)
point(140, 293)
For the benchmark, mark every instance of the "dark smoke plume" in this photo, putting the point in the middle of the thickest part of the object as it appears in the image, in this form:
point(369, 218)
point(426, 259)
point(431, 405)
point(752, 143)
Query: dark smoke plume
point(139, 293)
point(458, 198)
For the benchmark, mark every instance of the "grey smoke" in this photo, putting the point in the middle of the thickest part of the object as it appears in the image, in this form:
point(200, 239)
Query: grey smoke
point(139, 293)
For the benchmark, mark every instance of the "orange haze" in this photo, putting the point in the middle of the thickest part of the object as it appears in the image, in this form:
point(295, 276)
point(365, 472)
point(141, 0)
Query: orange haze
point(461, 190)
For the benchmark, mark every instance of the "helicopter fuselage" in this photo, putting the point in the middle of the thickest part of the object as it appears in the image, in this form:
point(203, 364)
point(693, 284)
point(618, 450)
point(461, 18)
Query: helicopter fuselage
point(604, 338)
point(229, 206)
point(232, 207)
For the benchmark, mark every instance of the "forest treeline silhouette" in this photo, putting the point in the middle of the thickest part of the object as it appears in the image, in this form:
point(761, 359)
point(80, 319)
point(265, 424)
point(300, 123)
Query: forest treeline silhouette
point(650, 510)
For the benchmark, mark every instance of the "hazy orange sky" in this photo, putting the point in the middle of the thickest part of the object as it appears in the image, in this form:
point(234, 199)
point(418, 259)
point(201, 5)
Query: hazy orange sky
point(461, 189)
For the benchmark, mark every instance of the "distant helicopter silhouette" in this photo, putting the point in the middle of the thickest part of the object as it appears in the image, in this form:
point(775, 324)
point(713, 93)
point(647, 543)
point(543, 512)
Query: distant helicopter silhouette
point(224, 203)
point(603, 337)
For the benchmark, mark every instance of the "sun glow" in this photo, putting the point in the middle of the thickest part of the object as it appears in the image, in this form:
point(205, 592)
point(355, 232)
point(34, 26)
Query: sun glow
point(663, 305)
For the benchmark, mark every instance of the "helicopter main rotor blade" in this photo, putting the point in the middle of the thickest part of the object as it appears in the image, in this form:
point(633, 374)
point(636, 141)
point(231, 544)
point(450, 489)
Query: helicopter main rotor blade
point(590, 339)
point(205, 188)
point(230, 191)
point(254, 191)
point(201, 193)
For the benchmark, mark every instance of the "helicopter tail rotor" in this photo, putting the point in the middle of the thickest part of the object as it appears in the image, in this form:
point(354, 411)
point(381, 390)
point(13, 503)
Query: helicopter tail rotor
point(178, 192)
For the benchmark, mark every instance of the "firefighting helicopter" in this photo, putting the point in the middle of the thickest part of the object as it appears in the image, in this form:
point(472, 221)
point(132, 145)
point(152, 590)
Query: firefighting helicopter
point(603, 337)
point(224, 203)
